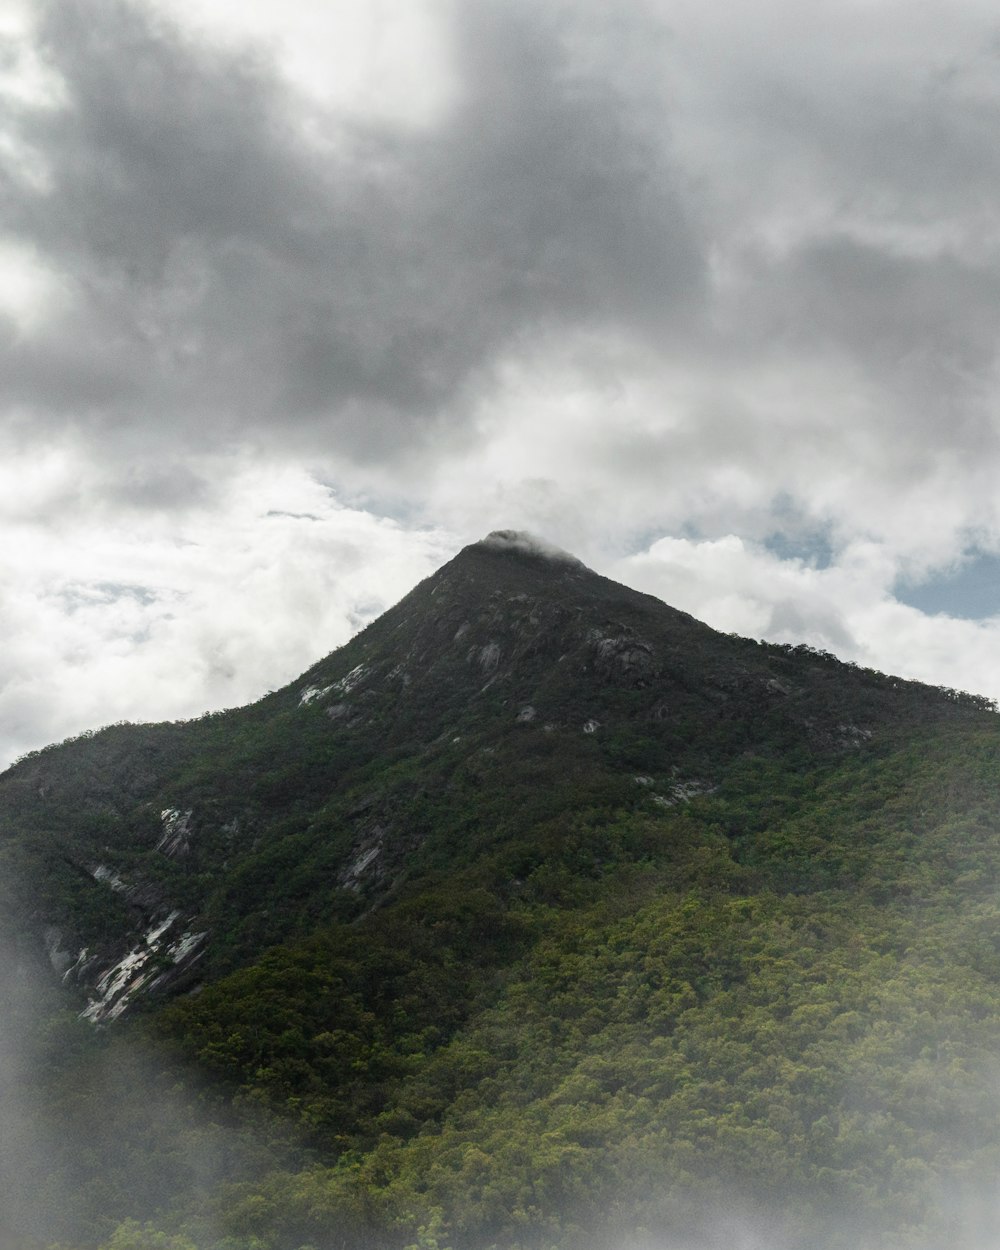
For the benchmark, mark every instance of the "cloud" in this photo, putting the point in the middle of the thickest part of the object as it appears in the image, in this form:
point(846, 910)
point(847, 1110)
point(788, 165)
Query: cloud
point(848, 608)
point(235, 277)
point(623, 275)
point(792, 285)
point(527, 544)
point(152, 619)
point(347, 57)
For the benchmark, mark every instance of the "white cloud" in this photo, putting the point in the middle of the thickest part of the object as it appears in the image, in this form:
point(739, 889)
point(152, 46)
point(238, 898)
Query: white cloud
point(665, 280)
point(384, 61)
point(847, 608)
point(152, 617)
point(30, 291)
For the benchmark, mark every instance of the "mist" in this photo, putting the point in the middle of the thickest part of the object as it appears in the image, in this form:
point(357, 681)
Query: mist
point(101, 1126)
point(101, 1131)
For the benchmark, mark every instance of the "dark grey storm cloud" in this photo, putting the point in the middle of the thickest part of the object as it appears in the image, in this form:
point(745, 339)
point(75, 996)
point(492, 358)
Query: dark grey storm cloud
point(235, 276)
point(851, 176)
point(920, 330)
point(352, 286)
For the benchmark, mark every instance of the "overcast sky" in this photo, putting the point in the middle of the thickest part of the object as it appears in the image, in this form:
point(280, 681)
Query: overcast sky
point(294, 304)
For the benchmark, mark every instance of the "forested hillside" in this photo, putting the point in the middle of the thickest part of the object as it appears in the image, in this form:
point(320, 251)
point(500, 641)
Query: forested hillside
point(540, 915)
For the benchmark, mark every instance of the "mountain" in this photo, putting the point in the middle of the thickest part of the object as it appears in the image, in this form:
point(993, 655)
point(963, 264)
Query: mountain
point(538, 915)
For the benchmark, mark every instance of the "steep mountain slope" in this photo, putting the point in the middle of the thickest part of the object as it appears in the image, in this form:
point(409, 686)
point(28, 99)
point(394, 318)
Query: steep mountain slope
point(539, 914)
point(163, 845)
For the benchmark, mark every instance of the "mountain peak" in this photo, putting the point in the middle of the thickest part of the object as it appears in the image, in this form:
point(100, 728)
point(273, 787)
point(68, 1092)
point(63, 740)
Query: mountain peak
point(520, 542)
point(513, 661)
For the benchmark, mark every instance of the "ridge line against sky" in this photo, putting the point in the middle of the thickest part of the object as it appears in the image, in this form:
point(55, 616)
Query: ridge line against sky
point(294, 303)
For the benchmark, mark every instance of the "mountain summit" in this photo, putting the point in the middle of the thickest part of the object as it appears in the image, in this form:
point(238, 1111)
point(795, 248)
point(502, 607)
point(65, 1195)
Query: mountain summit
point(540, 914)
point(526, 544)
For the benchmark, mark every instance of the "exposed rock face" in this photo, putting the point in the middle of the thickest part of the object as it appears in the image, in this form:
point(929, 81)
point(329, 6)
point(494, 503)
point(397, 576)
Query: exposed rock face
point(163, 954)
point(363, 864)
point(488, 657)
point(156, 950)
point(625, 661)
point(176, 838)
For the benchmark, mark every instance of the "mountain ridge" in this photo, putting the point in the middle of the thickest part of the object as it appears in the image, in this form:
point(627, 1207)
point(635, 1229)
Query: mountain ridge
point(512, 636)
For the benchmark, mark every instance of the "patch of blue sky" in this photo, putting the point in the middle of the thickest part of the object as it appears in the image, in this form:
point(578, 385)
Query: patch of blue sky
point(811, 547)
point(125, 590)
point(84, 595)
point(387, 505)
point(969, 590)
point(640, 541)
